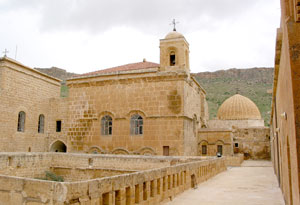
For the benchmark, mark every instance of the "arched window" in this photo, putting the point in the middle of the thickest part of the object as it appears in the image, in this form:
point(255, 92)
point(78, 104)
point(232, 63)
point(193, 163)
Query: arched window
point(41, 123)
point(136, 125)
point(220, 149)
point(204, 149)
point(106, 125)
point(21, 121)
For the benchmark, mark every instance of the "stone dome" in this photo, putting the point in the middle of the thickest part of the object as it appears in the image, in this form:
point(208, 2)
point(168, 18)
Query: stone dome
point(238, 107)
point(174, 34)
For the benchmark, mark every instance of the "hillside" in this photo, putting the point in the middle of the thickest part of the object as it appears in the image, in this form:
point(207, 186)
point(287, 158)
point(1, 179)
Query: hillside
point(56, 72)
point(254, 83)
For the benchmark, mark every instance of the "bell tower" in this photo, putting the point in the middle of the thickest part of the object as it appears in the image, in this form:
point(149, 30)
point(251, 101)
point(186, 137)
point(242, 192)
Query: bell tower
point(174, 53)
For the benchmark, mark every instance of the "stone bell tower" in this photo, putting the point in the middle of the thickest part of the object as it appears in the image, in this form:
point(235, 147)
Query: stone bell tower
point(174, 53)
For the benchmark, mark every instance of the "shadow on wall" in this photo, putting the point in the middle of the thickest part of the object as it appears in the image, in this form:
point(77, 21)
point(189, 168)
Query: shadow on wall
point(58, 146)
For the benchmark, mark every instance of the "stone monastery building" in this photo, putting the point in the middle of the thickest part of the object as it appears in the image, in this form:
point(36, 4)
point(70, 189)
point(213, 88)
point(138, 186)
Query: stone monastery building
point(141, 108)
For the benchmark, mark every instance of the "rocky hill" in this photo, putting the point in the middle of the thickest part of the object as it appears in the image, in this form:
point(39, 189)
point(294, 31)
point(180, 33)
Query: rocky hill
point(254, 83)
point(56, 72)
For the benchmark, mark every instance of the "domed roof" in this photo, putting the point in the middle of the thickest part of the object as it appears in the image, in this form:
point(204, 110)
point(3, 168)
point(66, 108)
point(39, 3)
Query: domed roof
point(173, 34)
point(238, 107)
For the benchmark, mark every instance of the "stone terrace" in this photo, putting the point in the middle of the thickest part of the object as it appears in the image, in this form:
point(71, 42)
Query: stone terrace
point(137, 180)
point(254, 183)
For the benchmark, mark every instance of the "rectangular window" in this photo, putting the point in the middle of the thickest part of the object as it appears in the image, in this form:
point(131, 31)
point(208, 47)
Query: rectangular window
point(166, 150)
point(58, 126)
point(236, 145)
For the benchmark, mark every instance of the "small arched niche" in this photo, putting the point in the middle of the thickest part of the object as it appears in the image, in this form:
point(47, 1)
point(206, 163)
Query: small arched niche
point(58, 146)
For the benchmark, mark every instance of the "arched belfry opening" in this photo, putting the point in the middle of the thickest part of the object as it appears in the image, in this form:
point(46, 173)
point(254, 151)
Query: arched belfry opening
point(172, 58)
point(58, 146)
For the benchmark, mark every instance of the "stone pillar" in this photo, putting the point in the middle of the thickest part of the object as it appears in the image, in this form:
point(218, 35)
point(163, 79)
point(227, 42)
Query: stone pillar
point(148, 190)
point(159, 183)
point(123, 196)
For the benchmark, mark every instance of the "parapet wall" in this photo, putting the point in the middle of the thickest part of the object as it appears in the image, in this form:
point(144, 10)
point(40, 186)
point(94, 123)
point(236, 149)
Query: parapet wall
point(235, 160)
point(151, 186)
point(31, 165)
point(128, 162)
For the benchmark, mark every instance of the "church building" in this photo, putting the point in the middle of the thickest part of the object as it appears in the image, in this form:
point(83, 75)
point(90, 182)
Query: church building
point(140, 108)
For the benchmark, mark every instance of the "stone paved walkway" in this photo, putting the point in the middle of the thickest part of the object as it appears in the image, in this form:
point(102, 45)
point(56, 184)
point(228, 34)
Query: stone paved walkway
point(251, 184)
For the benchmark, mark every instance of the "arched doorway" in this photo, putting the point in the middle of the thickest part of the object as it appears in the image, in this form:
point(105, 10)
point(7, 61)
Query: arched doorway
point(58, 146)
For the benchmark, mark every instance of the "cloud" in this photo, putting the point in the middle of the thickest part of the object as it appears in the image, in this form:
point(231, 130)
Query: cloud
point(94, 34)
point(150, 16)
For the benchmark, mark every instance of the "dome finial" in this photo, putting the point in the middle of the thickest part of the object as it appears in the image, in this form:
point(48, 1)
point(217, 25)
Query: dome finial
point(174, 24)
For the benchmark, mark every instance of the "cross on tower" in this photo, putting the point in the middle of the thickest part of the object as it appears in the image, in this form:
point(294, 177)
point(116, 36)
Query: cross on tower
point(5, 52)
point(174, 24)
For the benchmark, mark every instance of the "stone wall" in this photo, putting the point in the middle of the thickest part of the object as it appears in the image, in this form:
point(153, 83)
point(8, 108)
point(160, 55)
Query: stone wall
point(157, 97)
point(82, 174)
point(211, 138)
point(254, 143)
point(285, 116)
point(234, 160)
point(151, 186)
point(25, 89)
point(192, 109)
point(228, 124)
point(31, 165)
point(121, 162)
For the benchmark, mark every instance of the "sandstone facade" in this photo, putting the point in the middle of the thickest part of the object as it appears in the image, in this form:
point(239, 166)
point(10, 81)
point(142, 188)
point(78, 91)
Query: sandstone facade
point(285, 118)
point(142, 108)
point(23, 89)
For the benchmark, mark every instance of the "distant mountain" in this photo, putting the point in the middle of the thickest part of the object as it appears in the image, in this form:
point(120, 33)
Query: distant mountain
point(56, 72)
point(254, 83)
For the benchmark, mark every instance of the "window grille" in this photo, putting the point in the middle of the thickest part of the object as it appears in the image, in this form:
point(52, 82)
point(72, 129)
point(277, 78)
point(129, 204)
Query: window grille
point(136, 125)
point(106, 125)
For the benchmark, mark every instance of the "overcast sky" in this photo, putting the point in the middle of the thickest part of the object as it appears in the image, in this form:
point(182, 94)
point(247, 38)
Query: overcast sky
point(87, 35)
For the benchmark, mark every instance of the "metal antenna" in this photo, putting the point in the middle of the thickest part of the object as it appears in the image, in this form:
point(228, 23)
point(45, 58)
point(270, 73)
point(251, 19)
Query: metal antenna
point(5, 52)
point(174, 24)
